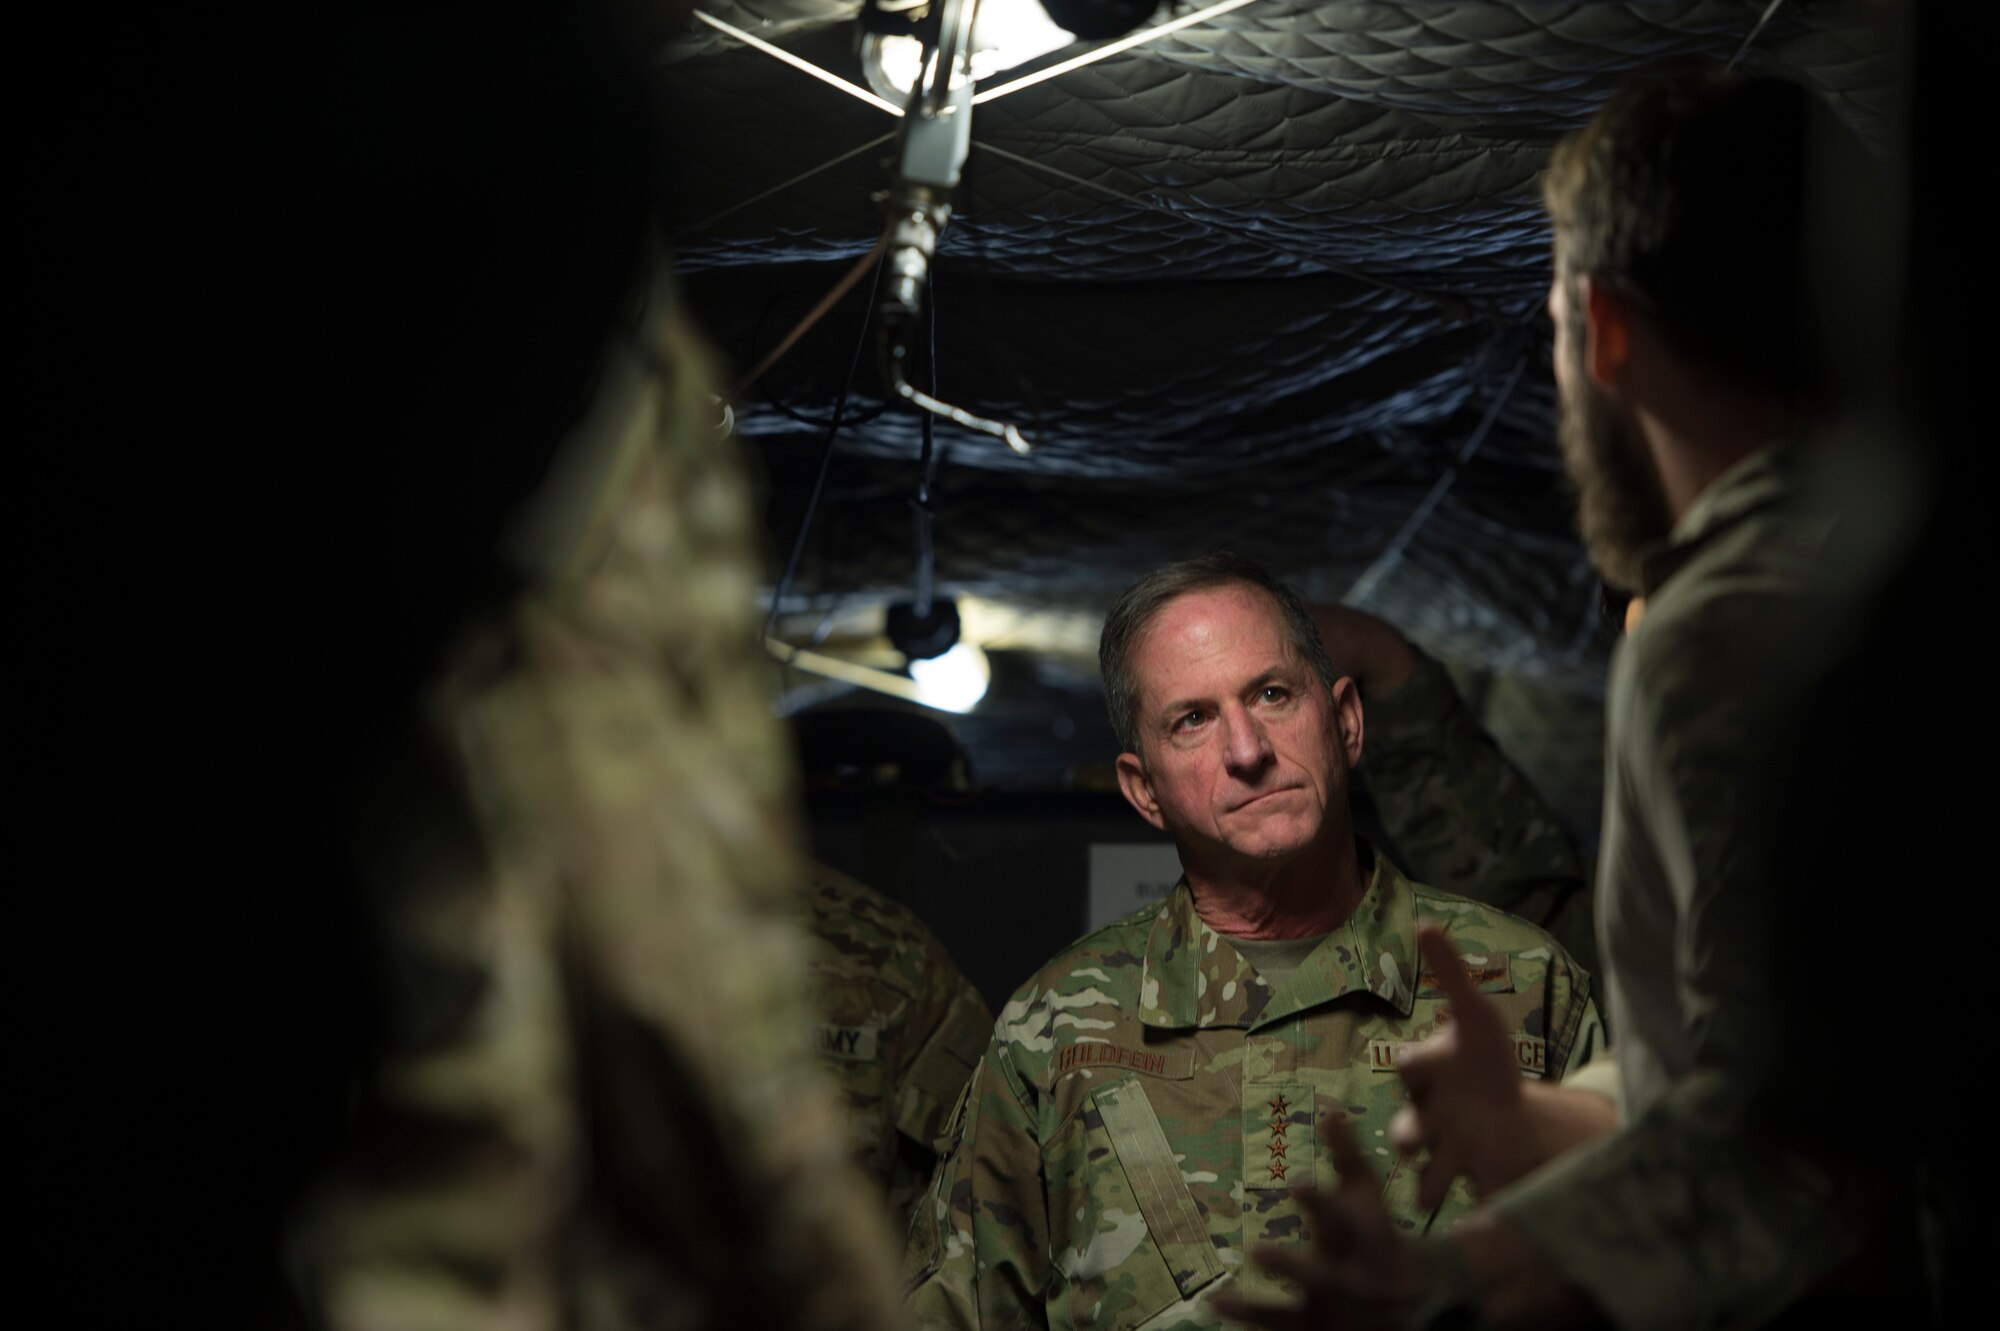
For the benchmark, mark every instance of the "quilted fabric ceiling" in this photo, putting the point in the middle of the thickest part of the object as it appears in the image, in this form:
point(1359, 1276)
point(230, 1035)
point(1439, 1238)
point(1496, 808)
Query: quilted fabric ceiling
point(1273, 281)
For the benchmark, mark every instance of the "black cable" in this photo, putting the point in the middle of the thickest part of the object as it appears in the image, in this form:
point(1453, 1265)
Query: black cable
point(769, 392)
point(826, 457)
point(921, 506)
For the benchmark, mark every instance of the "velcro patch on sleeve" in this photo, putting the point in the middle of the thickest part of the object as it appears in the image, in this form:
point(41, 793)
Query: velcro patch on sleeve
point(1531, 1054)
point(852, 1044)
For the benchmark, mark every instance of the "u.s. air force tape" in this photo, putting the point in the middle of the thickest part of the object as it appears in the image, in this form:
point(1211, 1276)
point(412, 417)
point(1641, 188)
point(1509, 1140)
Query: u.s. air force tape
point(1531, 1054)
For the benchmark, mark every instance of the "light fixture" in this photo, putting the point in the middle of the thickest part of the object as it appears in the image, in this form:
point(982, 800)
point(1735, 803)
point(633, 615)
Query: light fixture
point(955, 681)
point(949, 673)
point(1005, 33)
point(920, 632)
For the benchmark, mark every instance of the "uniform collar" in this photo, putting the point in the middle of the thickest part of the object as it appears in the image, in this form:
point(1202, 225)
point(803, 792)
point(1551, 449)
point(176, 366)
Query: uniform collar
point(1193, 977)
point(1751, 485)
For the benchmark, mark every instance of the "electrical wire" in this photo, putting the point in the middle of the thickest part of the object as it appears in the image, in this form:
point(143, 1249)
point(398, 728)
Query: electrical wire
point(804, 66)
point(1109, 49)
point(705, 223)
point(1452, 306)
point(825, 464)
point(1769, 10)
point(813, 316)
point(1392, 554)
point(922, 512)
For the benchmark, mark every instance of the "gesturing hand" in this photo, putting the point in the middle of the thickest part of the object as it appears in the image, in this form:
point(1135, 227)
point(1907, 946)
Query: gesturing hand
point(1358, 1272)
point(1466, 1093)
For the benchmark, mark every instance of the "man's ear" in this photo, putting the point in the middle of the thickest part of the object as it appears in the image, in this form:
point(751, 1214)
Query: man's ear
point(1607, 332)
point(1347, 715)
point(1139, 790)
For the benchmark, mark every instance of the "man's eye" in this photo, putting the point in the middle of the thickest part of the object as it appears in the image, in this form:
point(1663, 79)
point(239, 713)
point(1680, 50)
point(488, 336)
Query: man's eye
point(1275, 693)
point(1190, 720)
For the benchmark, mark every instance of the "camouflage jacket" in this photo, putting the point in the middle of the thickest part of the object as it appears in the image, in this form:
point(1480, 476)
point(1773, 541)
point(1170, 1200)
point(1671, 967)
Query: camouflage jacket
point(601, 1110)
point(900, 1028)
point(1464, 819)
point(1148, 1101)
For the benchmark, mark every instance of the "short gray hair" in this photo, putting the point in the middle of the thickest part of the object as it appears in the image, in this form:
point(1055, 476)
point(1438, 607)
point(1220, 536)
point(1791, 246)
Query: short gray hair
point(1135, 610)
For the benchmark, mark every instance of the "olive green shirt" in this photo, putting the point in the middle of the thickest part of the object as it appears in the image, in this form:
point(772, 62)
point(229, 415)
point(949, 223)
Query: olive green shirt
point(1690, 1216)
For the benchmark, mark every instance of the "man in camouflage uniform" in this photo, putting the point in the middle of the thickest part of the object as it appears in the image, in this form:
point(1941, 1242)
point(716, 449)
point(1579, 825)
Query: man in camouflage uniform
point(900, 1027)
point(1152, 1096)
point(602, 1109)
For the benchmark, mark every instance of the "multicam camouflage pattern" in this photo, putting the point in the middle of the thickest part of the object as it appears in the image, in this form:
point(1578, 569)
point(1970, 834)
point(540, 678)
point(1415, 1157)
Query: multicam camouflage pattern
point(900, 1028)
point(604, 1111)
point(1464, 819)
point(1148, 1102)
point(1693, 1215)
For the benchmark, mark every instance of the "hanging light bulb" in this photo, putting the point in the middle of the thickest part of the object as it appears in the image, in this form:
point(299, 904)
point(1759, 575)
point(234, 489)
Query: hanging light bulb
point(955, 681)
point(1005, 33)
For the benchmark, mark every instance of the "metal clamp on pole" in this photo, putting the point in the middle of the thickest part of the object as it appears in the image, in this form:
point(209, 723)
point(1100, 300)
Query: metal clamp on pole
point(931, 149)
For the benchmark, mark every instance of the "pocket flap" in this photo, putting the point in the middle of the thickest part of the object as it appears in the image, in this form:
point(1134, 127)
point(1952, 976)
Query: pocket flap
point(1155, 1177)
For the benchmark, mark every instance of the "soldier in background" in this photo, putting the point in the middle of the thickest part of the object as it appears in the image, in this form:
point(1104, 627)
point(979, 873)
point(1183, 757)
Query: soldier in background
point(1153, 1095)
point(900, 1028)
point(1460, 815)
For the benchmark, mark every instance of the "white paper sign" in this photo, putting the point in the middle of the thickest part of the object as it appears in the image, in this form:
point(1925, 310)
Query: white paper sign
point(1126, 876)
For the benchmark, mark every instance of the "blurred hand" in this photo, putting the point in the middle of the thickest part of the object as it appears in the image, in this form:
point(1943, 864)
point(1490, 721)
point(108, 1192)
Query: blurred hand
point(1368, 650)
point(1358, 1273)
point(1470, 1106)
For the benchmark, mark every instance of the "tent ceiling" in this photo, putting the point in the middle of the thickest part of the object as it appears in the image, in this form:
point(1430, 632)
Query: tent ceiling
point(1273, 281)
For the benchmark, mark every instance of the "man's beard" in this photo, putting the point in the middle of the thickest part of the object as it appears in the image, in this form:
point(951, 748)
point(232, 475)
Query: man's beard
point(1620, 508)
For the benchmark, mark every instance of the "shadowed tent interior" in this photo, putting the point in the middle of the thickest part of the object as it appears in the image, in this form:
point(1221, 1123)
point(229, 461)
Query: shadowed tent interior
point(1273, 281)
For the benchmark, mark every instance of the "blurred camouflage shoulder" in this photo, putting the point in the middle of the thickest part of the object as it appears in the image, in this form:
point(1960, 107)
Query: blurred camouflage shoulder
point(900, 1027)
point(602, 1109)
point(1461, 817)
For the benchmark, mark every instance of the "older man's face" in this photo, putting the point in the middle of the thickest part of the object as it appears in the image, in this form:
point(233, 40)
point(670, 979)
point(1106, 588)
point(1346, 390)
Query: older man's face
point(1244, 752)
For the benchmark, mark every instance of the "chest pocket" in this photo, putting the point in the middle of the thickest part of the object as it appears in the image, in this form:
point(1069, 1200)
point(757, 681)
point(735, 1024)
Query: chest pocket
point(1518, 993)
point(1124, 1231)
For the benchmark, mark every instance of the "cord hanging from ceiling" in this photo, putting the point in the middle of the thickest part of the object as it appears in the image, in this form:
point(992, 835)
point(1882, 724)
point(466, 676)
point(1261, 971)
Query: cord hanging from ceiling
point(825, 463)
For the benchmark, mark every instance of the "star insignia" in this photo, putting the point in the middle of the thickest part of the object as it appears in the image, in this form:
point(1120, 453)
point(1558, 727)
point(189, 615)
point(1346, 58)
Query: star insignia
point(1277, 1169)
point(1278, 1147)
point(1278, 1125)
point(1281, 1104)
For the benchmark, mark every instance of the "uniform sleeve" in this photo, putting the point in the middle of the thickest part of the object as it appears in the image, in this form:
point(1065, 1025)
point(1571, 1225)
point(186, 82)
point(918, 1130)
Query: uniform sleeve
point(602, 1108)
point(1463, 818)
point(1592, 1050)
point(979, 1244)
point(947, 1030)
point(445, 1213)
point(950, 1025)
point(1681, 1220)
point(1575, 1031)
point(1697, 1213)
